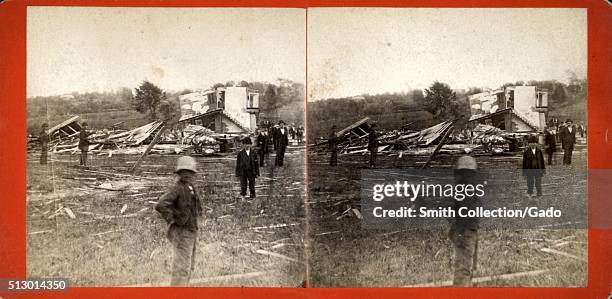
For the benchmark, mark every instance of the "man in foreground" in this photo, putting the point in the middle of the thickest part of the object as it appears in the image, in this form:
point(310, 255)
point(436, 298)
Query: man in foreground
point(181, 207)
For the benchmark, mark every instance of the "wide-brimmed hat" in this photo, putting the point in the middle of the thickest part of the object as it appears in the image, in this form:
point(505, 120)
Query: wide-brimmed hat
point(247, 140)
point(186, 163)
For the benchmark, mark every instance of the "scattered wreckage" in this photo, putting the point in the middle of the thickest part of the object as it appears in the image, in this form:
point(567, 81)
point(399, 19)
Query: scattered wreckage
point(443, 137)
point(64, 138)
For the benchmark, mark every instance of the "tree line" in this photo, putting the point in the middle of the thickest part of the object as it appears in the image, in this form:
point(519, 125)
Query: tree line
point(440, 100)
point(278, 100)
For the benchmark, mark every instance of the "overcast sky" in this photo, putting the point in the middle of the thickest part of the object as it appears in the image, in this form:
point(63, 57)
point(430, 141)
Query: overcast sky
point(364, 50)
point(98, 49)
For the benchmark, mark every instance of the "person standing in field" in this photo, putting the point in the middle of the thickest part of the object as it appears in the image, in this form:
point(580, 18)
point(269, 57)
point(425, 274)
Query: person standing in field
point(533, 167)
point(373, 145)
point(247, 168)
point(568, 139)
point(83, 144)
point(43, 138)
point(551, 144)
point(262, 144)
point(333, 147)
point(464, 230)
point(282, 139)
point(181, 207)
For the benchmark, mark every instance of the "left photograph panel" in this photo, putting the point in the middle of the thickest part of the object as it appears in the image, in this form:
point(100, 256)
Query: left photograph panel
point(166, 146)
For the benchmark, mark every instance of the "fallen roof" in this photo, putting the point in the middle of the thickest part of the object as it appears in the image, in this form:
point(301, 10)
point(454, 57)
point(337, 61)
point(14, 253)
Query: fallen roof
point(353, 126)
point(63, 127)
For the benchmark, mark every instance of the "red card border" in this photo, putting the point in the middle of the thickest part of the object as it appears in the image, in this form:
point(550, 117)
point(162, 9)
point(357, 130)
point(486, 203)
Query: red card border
point(13, 153)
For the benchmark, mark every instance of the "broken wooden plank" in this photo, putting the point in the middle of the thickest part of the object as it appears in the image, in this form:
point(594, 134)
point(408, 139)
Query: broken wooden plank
point(107, 232)
point(70, 213)
point(278, 255)
point(41, 232)
point(149, 147)
point(480, 279)
point(123, 209)
point(275, 226)
point(439, 146)
point(548, 250)
point(205, 279)
point(327, 233)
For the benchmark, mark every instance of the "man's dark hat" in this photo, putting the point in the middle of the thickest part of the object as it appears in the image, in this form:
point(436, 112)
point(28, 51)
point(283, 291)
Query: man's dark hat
point(247, 140)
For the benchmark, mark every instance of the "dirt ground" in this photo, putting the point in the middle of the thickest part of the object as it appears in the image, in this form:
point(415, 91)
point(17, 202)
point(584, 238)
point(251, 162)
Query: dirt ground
point(343, 254)
point(239, 245)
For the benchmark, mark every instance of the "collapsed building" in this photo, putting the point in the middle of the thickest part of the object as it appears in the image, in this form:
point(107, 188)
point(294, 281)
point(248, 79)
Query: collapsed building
point(499, 120)
point(227, 110)
point(513, 109)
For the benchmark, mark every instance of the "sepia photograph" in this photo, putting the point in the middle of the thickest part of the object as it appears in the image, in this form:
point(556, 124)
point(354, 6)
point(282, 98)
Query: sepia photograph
point(417, 115)
point(166, 146)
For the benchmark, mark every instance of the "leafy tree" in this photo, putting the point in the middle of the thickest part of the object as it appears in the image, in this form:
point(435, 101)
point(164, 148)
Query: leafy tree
point(243, 83)
point(168, 110)
point(558, 94)
point(148, 98)
point(440, 99)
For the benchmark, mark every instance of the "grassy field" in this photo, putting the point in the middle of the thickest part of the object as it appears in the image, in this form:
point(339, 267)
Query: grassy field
point(344, 254)
point(103, 247)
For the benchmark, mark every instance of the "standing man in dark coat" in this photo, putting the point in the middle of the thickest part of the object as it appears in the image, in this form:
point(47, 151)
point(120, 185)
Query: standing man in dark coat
point(282, 139)
point(533, 166)
point(551, 144)
point(274, 135)
point(262, 144)
point(43, 138)
point(333, 147)
point(181, 207)
point(223, 144)
point(568, 139)
point(373, 145)
point(84, 144)
point(247, 168)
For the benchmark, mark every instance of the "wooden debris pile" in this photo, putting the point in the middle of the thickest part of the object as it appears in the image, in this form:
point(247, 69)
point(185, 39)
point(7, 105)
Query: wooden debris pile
point(483, 138)
point(64, 138)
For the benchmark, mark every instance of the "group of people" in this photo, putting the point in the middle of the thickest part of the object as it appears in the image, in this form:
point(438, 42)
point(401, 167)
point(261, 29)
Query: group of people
point(533, 159)
point(249, 160)
point(566, 135)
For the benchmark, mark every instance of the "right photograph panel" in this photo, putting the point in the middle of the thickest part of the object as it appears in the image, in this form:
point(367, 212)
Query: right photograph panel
point(447, 147)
